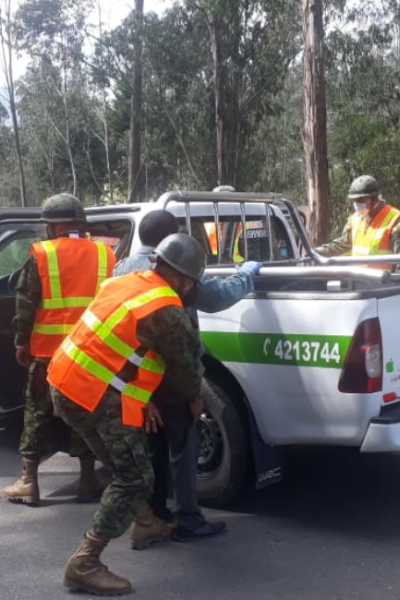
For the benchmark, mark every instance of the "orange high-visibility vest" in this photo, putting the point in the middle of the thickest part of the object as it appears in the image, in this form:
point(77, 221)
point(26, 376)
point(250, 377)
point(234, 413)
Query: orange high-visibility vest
point(104, 340)
point(211, 231)
point(70, 272)
point(375, 239)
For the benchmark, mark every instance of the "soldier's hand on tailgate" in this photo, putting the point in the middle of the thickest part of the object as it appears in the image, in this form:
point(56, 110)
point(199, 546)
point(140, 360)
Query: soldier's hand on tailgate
point(23, 356)
point(152, 418)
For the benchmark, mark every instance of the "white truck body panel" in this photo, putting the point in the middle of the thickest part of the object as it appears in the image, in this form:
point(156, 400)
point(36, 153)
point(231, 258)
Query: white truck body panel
point(303, 405)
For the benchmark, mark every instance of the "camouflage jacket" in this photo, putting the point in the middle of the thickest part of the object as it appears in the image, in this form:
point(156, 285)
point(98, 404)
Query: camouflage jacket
point(28, 295)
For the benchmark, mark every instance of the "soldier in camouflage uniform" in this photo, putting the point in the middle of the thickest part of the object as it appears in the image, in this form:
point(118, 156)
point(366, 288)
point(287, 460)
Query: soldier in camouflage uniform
point(37, 440)
point(91, 351)
point(367, 202)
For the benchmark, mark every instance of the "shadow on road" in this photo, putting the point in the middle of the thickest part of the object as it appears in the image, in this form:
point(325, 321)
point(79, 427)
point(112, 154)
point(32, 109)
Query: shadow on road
point(333, 489)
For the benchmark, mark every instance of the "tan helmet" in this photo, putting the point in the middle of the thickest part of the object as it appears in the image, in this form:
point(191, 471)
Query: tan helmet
point(63, 208)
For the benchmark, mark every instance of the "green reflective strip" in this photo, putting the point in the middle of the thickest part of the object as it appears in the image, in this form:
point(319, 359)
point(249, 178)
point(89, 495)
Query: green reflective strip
point(104, 329)
point(367, 251)
point(56, 300)
point(75, 302)
point(101, 262)
point(121, 312)
point(101, 372)
point(137, 393)
point(87, 363)
point(378, 251)
point(159, 292)
point(113, 342)
point(388, 217)
point(52, 329)
point(156, 365)
point(54, 271)
point(328, 351)
point(108, 337)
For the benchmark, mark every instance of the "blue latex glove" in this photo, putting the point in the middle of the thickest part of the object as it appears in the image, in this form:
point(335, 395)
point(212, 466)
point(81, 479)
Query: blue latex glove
point(251, 266)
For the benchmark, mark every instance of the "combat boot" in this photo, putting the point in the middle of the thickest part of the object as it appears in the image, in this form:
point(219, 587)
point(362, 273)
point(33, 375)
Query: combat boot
point(148, 529)
point(85, 572)
point(89, 487)
point(26, 488)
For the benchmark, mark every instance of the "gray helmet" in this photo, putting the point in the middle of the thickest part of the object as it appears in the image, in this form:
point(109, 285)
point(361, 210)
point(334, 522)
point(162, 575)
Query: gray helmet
point(184, 254)
point(63, 208)
point(363, 186)
point(224, 188)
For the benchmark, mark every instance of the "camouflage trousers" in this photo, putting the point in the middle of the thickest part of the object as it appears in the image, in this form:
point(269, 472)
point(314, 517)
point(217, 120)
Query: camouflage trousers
point(42, 431)
point(122, 449)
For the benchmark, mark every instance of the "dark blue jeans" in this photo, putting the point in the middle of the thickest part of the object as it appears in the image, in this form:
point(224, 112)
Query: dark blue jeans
point(174, 458)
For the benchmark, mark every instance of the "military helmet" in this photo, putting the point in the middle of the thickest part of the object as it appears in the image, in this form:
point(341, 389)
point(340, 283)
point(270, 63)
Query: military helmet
point(183, 253)
point(363, 186)
point(224, 188)
point(63, 208)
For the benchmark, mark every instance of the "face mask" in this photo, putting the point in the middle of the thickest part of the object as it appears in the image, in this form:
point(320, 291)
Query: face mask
point(361, 208)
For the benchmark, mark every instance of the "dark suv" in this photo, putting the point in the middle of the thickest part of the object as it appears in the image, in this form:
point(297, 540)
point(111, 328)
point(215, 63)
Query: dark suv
point(19, 229)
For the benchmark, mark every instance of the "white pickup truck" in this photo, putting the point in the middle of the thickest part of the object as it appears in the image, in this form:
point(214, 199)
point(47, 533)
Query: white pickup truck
point(310, 358)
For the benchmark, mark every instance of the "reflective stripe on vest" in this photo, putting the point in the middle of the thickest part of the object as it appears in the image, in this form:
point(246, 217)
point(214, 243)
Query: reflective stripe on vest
point(56, 300)
point(375, 239)
point(104, 374)
point(56, 314)
point(103, 343)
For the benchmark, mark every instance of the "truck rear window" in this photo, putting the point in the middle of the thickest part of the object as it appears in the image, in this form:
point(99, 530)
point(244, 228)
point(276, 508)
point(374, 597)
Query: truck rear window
point(233, 245)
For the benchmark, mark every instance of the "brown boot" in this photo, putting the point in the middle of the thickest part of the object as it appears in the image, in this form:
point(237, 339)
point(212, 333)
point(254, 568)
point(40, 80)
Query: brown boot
point(86, 573)
point(148, 529)
point(89, 487)
point(26, 488)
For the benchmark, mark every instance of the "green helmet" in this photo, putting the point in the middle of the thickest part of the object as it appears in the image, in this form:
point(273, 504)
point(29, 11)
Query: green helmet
point(224, 188)
point(184, 254)
point(363, 186)
point(63, 208)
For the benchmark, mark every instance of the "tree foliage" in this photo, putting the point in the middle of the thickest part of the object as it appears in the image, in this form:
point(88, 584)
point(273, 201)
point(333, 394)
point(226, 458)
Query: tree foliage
point(222, 99)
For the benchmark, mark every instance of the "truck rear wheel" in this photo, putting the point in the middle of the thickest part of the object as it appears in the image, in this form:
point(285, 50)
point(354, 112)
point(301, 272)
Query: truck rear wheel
point(221, 466)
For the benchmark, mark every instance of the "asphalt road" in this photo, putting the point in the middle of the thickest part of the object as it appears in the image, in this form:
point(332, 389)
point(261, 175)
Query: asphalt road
point(330, 531)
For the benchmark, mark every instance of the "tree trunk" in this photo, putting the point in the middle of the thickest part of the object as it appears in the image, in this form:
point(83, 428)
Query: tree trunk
point(136, 109)
point(7, 54)
point(314, 121)
point(68, 135)
point(226, 111)
point(105, 121)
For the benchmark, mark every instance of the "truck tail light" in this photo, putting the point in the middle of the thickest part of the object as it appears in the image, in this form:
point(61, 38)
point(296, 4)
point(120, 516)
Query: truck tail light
point(362, 369)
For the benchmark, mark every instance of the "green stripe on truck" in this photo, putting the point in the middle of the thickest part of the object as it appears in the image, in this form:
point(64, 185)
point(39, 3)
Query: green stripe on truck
point(327, 351)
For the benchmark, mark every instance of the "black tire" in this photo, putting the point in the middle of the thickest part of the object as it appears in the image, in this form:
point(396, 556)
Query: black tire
point(223, 448)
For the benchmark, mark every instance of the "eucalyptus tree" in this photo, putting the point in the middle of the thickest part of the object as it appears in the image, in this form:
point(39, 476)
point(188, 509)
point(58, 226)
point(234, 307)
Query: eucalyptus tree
point(175, 116)
point(201, 116)
point(52, 31)
point(7, 46)
point(252, 44)
point(314, 121)
point(47, 155)
point(10, 192)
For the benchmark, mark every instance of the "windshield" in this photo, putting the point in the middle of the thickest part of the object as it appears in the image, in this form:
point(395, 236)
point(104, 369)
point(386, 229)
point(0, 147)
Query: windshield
point(16, 240)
